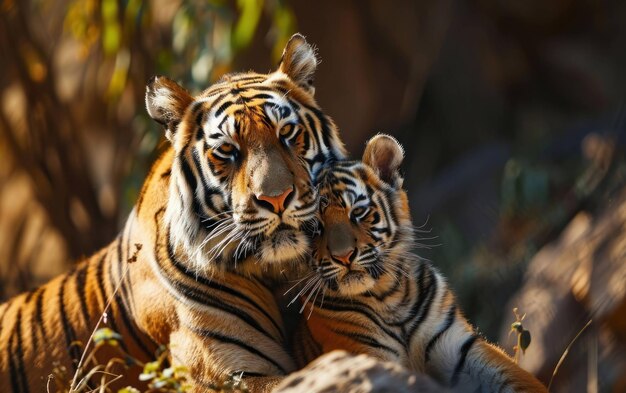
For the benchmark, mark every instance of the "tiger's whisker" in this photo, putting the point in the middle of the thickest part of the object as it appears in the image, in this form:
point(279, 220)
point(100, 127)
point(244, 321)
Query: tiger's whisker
point(317, 285)
point(320, 288)
point(205, 219)
point(309, 283)
point(299, 281)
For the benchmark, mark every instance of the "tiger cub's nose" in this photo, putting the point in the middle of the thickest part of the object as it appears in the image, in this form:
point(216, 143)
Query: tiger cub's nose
point(345, 258)
point(275, 203)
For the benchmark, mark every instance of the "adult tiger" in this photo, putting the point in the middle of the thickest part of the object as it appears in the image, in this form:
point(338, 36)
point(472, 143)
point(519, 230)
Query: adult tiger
point(380, 299)
point(222, 212)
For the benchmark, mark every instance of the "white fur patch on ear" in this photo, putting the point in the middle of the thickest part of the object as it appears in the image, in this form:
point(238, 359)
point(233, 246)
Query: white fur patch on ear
point(384, 154)
point(166, 102)
point(299, 62)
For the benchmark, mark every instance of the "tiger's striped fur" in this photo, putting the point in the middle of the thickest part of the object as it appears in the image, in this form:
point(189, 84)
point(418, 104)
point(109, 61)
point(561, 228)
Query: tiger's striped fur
point(380, 299)
point(215, 228)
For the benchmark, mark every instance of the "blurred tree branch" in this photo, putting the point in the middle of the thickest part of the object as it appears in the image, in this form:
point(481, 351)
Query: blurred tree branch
point(51, 150)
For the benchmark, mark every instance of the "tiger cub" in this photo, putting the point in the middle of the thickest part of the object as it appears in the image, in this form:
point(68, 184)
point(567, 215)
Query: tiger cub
point(369, 293)
point(222, 214)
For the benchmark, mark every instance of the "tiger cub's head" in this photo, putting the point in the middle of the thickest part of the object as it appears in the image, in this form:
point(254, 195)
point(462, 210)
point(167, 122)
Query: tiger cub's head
point(366, 220)
point(247, 151)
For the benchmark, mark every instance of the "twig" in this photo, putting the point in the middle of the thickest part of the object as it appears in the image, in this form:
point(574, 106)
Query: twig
point(104, 312)
point(562, 359)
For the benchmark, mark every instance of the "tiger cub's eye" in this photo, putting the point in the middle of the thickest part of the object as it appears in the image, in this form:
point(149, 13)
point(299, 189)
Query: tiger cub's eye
point(359, 212)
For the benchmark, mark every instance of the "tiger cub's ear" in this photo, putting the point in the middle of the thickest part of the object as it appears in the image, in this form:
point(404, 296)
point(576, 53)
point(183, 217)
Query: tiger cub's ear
point(299, 62)
point(384, 154)
point(166, 102)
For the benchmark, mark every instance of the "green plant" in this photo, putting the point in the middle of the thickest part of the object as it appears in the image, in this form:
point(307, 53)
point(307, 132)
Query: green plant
point(523, 335)
point(95, 374)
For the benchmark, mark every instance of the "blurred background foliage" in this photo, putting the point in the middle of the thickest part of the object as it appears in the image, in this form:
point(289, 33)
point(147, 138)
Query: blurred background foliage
point(511, 114)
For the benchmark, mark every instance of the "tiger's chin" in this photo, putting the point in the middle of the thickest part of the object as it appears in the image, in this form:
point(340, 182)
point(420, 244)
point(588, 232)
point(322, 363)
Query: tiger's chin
point(283, 246)
point(354, 283)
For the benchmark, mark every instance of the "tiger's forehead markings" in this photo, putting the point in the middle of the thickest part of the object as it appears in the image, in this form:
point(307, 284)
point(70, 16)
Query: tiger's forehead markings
point(227, 129)
point(231, 115)
point(359, 198)
point(199, 127)
point(231, 106)
point(347, 189)
point(348, 196)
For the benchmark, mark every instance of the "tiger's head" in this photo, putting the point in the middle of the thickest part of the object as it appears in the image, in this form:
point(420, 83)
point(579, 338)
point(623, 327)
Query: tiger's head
point(367, 227)
point(247, 152)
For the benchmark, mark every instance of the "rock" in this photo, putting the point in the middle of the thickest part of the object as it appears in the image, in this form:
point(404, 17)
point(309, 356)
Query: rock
point(339, 371)
point(578, 277)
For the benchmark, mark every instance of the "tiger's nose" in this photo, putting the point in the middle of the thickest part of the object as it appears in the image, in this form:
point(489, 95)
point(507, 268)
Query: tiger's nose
point(275, 203)
point(345, 258)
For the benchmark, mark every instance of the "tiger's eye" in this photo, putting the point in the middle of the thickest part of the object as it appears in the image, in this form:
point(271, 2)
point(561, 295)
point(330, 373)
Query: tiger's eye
point(227, 151)
point(227, 148)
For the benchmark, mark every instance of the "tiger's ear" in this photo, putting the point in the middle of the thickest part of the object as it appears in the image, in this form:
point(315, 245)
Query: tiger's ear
point(166, 102)
point(299, 62)
point(384, 154)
